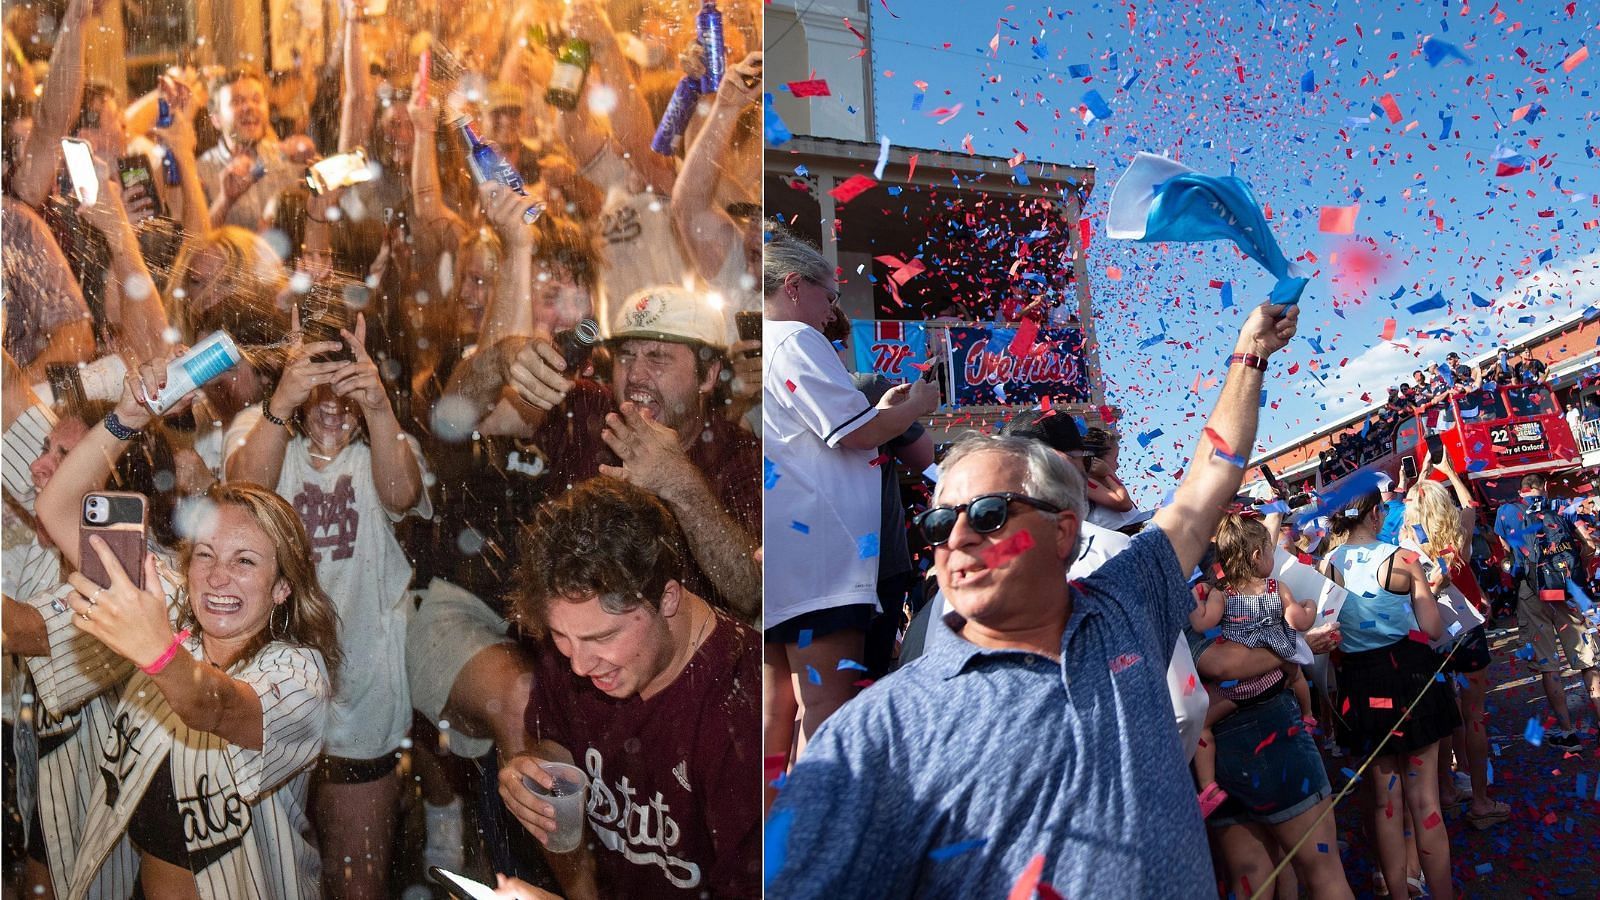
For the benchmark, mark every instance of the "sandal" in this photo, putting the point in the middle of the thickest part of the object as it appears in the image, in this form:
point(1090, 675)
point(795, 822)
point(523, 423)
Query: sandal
point(1483, 821)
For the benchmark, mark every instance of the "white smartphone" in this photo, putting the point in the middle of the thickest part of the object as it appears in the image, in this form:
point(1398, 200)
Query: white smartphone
point(339, 171)
point(80, 168)
point(460, 887)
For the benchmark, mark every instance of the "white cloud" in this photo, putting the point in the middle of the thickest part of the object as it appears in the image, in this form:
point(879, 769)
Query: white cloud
point(1550, 294)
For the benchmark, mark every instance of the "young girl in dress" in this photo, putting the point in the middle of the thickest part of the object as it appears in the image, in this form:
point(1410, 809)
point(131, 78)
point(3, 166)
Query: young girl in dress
point(1256, 610)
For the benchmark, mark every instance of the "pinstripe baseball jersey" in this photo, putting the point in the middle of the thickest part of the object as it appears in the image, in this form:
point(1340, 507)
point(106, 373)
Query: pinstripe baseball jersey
point(243, 811)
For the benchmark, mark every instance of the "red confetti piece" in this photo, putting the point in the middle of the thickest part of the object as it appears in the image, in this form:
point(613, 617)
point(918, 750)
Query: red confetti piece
point(1433, 820)
point(1000, 554)
point(790, 385)
point(1420, 637)
point(1390, 107)
point(1046, 892)
point(853, 187)
point(1576, 59)
point(1125, 661)
point(817, 87)
point(1028, 882)
point(1022, 342)
point(1264, 744)
point(1381, 702)
point(1338, 219)
point(1387, 333)
point(880, 459)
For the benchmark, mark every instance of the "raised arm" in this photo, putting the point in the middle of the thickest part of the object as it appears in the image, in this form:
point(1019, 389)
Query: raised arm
point(1191, 519)
point(355, 107)
point(706, 232)
point(630, 120)
point(395, 470)
point(180, 141)
point(57, 107)
point(86, 468)
point(259, 460)
point(134, 309)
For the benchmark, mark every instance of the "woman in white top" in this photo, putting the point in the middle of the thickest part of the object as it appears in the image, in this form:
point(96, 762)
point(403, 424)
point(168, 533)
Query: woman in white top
point(201, 784)
point(350, 472)
point(821, 515)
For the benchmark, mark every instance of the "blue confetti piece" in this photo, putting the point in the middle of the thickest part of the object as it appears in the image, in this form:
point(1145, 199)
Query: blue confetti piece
point(1227, 294)
point(1436, 51)
point(1322, 848)
point(1145, 437)
point(1229, 683)
point(805, 638)
point(916, 102)
point(950, 851)
point(812, 675)
point(867, 546)
point(1483, 868)
point(1583, 786)
point(1308, 83)
point(1079, 70)
point(1097, 104)
point(776, 845)
point(776, 133)
point(769, 473)
point(801, 527)
point(1437, 301)
point(1349, 774)
point(850, 664)
point(1534, 733)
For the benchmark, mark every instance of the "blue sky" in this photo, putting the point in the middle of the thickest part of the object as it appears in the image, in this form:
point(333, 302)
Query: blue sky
point(1220, 86)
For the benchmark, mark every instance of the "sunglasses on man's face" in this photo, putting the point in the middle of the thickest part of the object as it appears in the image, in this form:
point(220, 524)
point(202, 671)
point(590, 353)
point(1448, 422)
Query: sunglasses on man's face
point(986, 514)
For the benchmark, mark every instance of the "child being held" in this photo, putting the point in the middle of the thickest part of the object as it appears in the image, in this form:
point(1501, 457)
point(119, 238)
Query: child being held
point(1255, 610)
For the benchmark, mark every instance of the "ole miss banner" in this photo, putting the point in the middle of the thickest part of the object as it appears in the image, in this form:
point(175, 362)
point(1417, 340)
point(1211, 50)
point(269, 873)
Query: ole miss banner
point(986, 372)
point(889, 348)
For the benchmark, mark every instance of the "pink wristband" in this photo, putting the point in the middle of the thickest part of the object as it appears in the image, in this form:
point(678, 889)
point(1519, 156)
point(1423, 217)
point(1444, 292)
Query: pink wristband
point(172, 650)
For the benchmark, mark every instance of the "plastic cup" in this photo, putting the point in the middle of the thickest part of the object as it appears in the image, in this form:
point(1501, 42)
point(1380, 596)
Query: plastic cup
point(568, 799)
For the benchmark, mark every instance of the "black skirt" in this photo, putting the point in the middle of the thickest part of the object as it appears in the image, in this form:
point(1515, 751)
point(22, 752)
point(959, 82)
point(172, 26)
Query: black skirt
point(1376, 687)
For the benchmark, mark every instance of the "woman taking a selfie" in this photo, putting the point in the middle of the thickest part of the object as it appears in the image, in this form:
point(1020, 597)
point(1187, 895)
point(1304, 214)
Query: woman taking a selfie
point(221, 678)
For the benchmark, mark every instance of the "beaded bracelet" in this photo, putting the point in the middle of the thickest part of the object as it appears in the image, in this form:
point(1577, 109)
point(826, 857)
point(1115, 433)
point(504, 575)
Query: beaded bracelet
point(165, 658)
point(1259, 363)
point(266, 413)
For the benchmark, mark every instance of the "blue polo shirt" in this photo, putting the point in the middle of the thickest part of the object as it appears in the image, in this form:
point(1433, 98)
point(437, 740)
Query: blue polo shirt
point(1078, 760)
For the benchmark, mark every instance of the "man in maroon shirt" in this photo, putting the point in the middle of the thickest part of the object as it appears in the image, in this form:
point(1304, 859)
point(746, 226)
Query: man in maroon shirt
point(653, 425)
point(645, 686)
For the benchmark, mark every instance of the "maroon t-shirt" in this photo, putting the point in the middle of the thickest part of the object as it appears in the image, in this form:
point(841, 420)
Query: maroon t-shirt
point(674, 781)
point(727, 455)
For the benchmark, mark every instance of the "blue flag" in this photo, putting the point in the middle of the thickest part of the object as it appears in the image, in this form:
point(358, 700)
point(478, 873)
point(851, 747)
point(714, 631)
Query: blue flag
point(1161, 200)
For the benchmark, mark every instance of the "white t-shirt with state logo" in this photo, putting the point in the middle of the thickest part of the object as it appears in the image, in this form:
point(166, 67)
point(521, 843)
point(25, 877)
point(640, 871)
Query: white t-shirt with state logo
point(365, 572)
point(639, 245)
point(822, 510)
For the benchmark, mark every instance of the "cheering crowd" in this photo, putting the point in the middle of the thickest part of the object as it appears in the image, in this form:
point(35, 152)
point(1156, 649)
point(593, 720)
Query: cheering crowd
point(476, 493)
point(1127, 716)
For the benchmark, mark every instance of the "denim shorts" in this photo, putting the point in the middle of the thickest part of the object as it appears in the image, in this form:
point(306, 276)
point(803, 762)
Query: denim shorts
point(1276, 782)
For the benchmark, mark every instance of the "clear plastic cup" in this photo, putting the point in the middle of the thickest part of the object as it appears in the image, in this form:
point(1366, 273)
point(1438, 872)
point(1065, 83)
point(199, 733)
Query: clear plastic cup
point(567, 798)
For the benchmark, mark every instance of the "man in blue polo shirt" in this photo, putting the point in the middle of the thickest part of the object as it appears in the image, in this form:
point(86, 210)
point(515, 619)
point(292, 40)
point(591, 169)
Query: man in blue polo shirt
point(1034, 734)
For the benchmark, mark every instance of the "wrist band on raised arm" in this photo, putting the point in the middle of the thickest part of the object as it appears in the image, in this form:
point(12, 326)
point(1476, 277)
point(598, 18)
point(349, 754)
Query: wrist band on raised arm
point(118, 430)
point(266, 413)
point(172, 650)
point(1259, 363)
